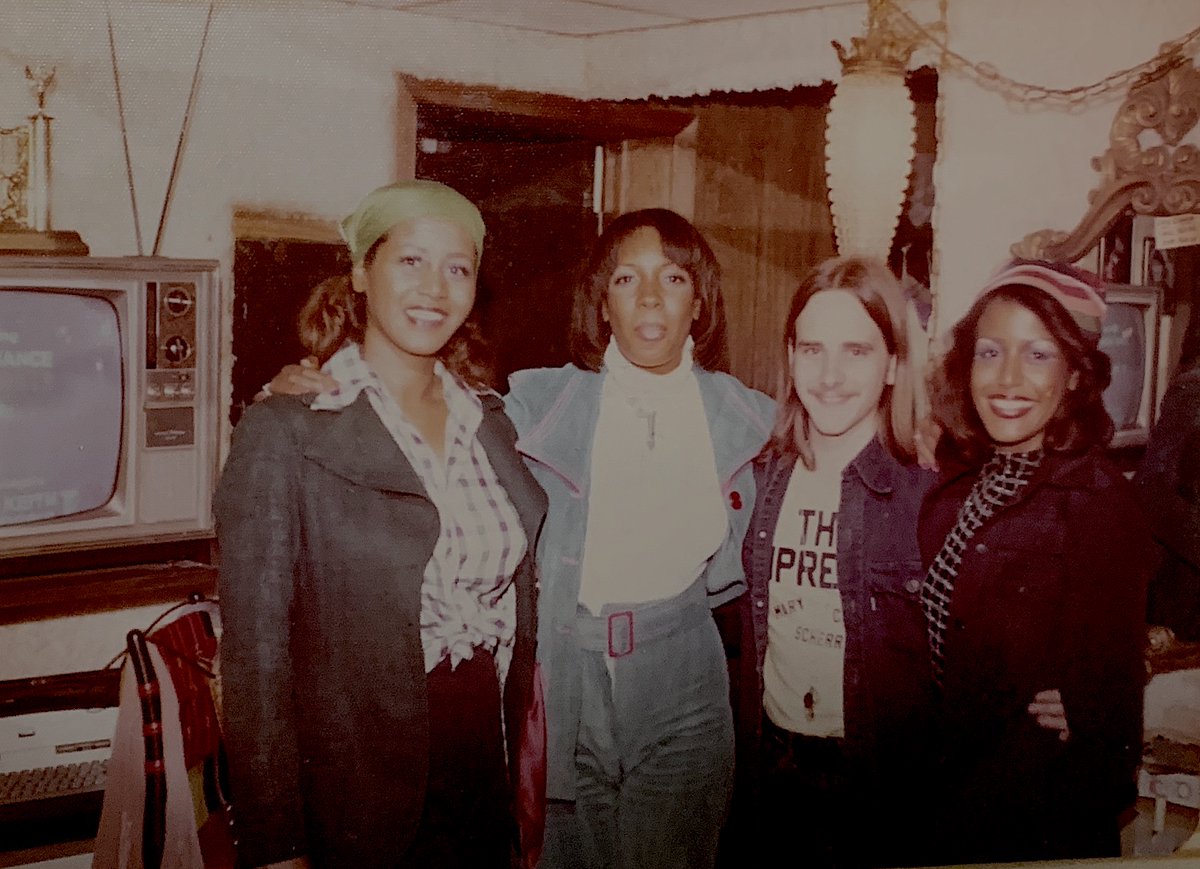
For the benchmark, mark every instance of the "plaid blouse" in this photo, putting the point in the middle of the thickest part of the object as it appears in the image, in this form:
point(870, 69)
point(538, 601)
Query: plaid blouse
point(467, 595)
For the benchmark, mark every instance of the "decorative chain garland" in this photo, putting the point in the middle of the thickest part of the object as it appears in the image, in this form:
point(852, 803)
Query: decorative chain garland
point(1169, 55)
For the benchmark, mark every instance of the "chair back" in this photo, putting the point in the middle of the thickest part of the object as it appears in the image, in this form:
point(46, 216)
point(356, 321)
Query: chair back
point(166, 805)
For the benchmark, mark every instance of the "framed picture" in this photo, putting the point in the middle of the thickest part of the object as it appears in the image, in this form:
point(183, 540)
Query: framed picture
point(1175, 271)
point(1149, 265)
point(1130, 338)
point(1116, 252)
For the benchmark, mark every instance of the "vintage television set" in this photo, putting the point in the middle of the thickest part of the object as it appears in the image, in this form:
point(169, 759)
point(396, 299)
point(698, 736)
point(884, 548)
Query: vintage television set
point(108, 404)
point(1131, 340)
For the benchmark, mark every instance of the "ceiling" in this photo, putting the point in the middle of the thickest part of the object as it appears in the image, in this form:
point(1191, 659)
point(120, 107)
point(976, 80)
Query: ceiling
point(595, 17)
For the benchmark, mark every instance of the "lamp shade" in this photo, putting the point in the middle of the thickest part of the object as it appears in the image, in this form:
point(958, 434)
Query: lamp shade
point(869, 146)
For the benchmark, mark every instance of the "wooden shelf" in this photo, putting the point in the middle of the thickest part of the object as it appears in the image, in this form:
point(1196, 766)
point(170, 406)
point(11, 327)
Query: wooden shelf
point(88, 689)
point(55, 595)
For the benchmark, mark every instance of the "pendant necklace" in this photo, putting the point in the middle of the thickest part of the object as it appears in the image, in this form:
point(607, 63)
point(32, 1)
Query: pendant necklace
point(649, 416)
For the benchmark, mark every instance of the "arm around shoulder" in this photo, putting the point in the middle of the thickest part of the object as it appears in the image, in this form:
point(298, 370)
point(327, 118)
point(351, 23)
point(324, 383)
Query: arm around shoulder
point(534, 392)
point(516, 407)
point(759, 406)
point(765, 406)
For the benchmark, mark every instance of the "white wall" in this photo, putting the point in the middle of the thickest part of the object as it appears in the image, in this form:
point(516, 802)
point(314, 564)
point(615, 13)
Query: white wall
point(1006, 169)
point(296, 113)
point(295, 109)
point(69, 644)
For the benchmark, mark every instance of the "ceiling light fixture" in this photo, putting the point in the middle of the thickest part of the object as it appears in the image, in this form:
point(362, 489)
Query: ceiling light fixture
point(870, 137)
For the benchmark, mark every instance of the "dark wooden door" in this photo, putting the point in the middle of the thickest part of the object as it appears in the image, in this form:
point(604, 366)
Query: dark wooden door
point(535, 199)
point(535, 196)
point(272, 279)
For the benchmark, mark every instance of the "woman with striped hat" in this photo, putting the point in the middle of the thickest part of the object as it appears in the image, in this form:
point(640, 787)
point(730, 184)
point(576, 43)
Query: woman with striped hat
point(1037, 560)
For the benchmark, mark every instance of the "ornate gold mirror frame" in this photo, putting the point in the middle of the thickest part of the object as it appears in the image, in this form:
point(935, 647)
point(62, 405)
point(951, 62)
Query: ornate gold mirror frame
point(1159, 180)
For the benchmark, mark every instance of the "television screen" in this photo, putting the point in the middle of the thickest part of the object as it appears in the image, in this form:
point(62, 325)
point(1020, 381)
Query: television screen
point(61, 403)
point(1124, 340)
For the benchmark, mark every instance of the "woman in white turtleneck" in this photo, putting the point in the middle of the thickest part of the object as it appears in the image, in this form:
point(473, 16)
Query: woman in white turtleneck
point(655, 512)
point(644, 451)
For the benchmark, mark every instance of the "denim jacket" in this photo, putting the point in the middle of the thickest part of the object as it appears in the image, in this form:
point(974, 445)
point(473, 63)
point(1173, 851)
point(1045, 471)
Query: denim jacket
point(555, 412)
point(887, 680)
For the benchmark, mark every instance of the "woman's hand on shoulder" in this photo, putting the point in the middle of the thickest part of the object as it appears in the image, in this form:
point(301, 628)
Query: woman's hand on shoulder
point(298, 380)
point(1047, 707)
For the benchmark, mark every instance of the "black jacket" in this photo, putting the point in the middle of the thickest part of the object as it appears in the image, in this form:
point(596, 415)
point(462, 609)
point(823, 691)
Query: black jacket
point(1051, 593)
point(325, 530)
point(1169, 483)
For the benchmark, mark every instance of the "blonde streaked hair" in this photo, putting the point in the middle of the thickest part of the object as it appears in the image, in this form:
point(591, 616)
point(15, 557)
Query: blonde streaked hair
point(876, 288)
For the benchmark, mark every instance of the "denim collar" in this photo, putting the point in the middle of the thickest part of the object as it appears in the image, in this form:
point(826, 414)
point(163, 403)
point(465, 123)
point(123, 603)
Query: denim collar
point(562, 438)
point(875, 467)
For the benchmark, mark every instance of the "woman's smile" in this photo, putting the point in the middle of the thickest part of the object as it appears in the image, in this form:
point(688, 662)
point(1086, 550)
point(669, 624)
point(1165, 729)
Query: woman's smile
point(1010, 408)
point(1018, 376)
point(424, 316)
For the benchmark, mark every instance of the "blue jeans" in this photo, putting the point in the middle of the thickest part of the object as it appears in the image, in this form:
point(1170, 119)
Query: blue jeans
point(654, 759)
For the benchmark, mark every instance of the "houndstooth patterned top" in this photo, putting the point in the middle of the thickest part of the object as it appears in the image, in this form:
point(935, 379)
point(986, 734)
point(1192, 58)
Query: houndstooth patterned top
point(1000, 483)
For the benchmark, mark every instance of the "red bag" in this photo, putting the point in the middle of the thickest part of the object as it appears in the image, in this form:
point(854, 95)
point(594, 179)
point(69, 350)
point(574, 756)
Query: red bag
point(530, 803)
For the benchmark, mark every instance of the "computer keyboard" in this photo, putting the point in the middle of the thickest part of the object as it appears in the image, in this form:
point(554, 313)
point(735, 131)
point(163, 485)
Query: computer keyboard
point(45, 782)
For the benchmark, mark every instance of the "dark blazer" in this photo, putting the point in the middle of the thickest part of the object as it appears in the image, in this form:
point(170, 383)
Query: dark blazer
point(325, 530)
point(1051, 593)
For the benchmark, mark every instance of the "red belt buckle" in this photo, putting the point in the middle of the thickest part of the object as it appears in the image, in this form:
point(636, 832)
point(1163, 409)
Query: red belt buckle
point(620, 629)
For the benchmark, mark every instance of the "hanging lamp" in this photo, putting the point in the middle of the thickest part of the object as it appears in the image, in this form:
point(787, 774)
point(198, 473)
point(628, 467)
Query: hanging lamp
point(870, 138)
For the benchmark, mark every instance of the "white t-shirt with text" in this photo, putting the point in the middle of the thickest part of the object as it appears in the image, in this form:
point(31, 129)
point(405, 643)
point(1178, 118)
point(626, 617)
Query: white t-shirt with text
point(802, 674)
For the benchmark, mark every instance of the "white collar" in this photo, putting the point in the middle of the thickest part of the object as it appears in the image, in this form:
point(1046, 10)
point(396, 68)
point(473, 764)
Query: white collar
point(639, 383)
point(353, 375)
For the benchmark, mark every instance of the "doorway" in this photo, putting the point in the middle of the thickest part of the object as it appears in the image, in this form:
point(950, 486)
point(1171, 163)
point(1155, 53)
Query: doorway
point(533, 185)
point(535, 199)
point(272, 278)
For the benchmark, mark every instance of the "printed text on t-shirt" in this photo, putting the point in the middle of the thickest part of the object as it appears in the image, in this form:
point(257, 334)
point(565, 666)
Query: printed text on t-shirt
point(814, 561)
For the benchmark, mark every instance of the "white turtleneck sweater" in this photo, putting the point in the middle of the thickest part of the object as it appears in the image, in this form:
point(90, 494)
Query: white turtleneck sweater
point(655, 509)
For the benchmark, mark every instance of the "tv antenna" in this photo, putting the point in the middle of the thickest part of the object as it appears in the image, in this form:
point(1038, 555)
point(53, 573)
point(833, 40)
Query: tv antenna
point(183, 131)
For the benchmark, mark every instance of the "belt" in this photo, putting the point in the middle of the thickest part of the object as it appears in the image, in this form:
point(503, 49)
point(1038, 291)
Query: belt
point(815, 748)
point(619, 632)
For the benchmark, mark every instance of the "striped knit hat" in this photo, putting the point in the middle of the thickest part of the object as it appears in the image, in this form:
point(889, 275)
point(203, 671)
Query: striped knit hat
point(1080, 292)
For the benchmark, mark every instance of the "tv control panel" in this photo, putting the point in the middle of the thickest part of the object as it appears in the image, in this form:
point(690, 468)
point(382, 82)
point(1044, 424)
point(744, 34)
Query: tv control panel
point(170, 392)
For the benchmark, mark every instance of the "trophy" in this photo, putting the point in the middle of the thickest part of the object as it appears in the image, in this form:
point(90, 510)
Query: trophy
point(37, 193)
point(25, 181)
